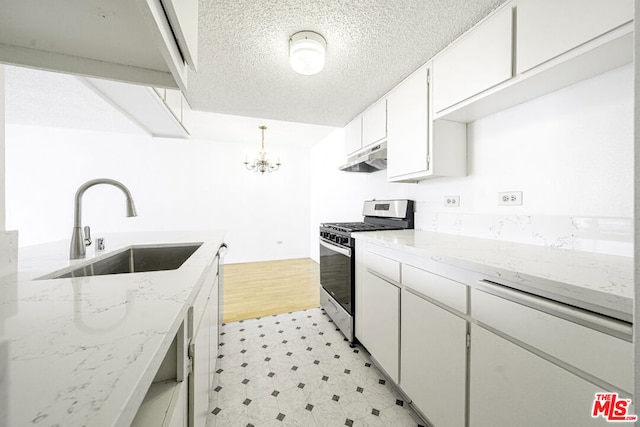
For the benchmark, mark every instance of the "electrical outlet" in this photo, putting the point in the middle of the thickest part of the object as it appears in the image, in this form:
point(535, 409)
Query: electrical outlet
point(510, 198)
point(452, 201)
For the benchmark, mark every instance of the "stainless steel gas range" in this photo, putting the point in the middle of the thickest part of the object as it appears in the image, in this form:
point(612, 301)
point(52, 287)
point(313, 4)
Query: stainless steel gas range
point(337, 256)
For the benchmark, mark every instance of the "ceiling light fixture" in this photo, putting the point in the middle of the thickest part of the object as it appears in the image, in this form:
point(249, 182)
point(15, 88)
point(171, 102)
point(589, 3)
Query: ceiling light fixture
point(306, 52)
point(262, 164)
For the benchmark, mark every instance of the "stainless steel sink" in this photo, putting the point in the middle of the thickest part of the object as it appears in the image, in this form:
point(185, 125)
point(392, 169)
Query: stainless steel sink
point(135, 259)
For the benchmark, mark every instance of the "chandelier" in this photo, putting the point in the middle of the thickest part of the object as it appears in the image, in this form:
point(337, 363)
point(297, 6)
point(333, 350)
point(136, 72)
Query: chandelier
point(262, 164)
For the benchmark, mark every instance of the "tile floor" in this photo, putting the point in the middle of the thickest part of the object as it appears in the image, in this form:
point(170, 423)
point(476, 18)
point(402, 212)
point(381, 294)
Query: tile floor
point(296, 369)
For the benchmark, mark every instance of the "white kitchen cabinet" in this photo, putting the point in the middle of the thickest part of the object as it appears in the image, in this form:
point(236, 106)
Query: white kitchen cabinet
point(374, 124)
point(434, 360)
point(203, 349)
point(510, 386)
point(157, 111)
point(418, 148)
point(146, 42)
point(479, 60)
point(183, 18)
point(378, 321)
point(558, 331)
point(408, 126)
point(353, 136)
point(173, 101)
point(165, 404)
point(549, 28)
point(214, 331)
point(539, 362)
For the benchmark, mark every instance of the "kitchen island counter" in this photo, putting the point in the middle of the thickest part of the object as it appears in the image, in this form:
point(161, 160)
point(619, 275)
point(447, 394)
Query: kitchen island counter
point(595, 282)
point(83, 351)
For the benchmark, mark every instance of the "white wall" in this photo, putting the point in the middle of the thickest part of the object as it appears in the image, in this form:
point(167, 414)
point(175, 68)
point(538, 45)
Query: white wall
point(570, 152)
point(176, 184)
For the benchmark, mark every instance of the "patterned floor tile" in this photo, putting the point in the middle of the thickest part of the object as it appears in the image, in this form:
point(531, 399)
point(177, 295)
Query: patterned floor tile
point(296, 369)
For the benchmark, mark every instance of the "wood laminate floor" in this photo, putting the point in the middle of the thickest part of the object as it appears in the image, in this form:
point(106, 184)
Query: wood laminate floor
point(259, 289)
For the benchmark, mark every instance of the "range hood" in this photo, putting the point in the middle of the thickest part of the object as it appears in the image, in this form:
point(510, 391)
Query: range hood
point(370, 160)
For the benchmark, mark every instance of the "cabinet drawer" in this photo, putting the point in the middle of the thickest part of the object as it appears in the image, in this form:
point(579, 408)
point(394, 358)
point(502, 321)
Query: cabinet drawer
point(602, 355)
point(441, 289)
point(384, 266)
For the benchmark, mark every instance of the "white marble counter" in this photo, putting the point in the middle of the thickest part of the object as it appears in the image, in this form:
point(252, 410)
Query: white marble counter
point(83, 351)
point(596, 282)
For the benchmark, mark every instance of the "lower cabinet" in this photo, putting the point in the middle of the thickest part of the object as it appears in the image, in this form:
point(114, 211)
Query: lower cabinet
point(203, 352)
point(510, 386)
point(379, 318)
point(434, 360)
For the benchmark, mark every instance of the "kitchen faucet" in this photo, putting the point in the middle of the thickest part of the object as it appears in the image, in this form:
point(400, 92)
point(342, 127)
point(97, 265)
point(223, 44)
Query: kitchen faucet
point(80, 240)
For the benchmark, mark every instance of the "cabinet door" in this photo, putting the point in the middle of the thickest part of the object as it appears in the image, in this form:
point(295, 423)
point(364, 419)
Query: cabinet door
point(509, 386)
point(408, 126)
point(374, 123)
point(214, 299)
point(434, 360)
point(199, 378)
point(380, 317)
point(548, 28)
point(353, 136)
point(183, 18)
point(477, 61)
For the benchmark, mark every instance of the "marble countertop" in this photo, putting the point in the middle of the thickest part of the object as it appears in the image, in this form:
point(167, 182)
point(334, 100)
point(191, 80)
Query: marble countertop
point(83, 351)
point(596, 282)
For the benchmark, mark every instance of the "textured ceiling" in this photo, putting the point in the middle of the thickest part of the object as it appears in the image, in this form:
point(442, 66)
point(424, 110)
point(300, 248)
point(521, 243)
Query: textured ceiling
point(371, 46)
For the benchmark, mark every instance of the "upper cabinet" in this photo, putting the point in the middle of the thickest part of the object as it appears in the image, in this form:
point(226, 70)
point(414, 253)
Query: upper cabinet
point(366, 129)
point(146, 42)
point(479, 60)
point(374, 123)
point(353, 136)
point(556, 43)
point(548, 28)
point(417, 148)
point(159, 112)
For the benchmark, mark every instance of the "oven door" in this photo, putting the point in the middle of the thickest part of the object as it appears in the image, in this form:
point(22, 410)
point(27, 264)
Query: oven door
point(336, 272)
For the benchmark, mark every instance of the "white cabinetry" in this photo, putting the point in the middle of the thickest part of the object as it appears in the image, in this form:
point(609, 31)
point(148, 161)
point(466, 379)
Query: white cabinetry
point(548, 28)
point(149, 42)
point(533, 366)
point(434, 360)
point(159, 112)
point(557, 44)
point(434, 345)
point(367, 129)
point(510, 386)
point(408, 127)
point(353, 136)
point(479, 60)
point(374, 123)
point(377, 320)
point(418, 148)
point(380, 317)
point(203, 350)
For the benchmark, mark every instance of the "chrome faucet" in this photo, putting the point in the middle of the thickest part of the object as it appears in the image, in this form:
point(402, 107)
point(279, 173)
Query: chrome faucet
point(80, 240)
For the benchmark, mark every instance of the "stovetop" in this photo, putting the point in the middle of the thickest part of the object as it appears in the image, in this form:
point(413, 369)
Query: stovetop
point(351, 227)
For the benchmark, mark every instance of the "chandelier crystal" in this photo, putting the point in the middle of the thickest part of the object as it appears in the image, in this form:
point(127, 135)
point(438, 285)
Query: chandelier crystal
point(262, 164)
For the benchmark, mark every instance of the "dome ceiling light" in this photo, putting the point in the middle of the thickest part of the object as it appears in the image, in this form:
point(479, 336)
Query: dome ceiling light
point(306, 52)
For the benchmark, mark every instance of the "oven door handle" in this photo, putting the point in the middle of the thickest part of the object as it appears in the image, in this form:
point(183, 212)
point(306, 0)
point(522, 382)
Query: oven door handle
point(332, 247)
